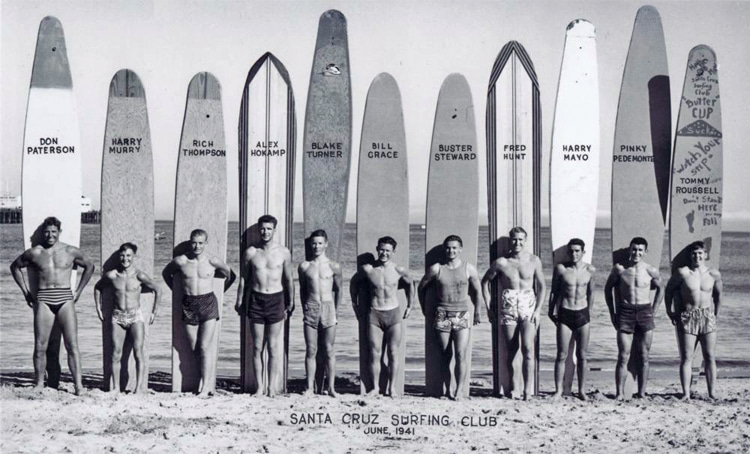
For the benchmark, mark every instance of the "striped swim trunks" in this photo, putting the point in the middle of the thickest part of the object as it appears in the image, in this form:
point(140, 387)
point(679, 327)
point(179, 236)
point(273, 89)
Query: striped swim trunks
point(54, 298)
point(698, 321)
point(197, 309)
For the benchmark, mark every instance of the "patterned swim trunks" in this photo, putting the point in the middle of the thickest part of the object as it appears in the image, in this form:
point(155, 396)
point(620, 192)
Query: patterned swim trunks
point(126, 319)
point(451, 321)
point(197, 309)
point(698, 321)
point(517, 306)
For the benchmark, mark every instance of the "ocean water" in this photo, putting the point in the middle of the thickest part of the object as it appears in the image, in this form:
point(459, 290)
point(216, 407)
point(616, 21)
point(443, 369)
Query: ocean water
point(16, 327)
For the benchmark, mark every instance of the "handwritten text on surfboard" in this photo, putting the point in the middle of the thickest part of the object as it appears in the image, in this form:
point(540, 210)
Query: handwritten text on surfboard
point(382, 150)
point(576, 152)
point(511, 152)
point(270, 148)
point(121, 145)
point(455, 152)
point(633, 153)
point(203, 148)
point(49, 145)
point(326, 150)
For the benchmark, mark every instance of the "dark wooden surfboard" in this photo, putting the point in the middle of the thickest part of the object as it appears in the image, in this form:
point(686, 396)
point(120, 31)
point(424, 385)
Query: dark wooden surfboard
point(127, 206)
point(452, 204)
point(514, 155)
point(200, 203)
point(382, 206)
point(267, 144)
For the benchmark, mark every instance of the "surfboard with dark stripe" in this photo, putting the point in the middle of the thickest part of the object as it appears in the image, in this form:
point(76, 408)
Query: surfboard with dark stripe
point(514, 156)
point(267, 141)
point(127, 206)
point(200, 203)
point(51, 158)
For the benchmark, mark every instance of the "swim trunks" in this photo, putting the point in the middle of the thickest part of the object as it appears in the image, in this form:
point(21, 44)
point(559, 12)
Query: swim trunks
point(385, 319)
point(197, 309)
point(633, 318)
point(451, 321)
point(126, 319)
point(698, 321)
point(517, 306)
point(319, 315)
point(573, 319)
point(54, 298)
point(266, 308)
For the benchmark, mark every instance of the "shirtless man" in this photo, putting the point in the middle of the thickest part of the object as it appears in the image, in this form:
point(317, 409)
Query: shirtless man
point(268, 302)
point(53, 262)
point(126, 283)
point(382, 281)
point(456, 286)
point(200, 308)
point(522, 291)
point(693, 289)
point(570, 301)
point(633, 313)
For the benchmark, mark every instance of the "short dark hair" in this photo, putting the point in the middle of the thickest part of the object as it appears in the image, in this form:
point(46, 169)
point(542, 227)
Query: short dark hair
point(695, 245)
point(387, 240)
point(51, 220)
point(639, 240)
point(198, 232)
point(453, 238)
point(128, 245)
point(577, 241)
point(518, 229)
point(319, 232)
point(267, 218)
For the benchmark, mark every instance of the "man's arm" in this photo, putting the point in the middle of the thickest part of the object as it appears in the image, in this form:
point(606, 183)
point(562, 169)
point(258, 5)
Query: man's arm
point(287, 281)
point(338, 279)
point(408, 286)
point(152, 287)
point(475, 292)
point(224, 271)
point(658, 285)
point(554, 292)
point(22, 261)
point(541, 289)
point(608, 294)
point(716, 293)
point(669, 293)
point(168, 273)
point(590, 288)
point(427, 279)
point(487, 279)
point(88, 266)
point(354, 292)
point(98, 296)
point(241, 283)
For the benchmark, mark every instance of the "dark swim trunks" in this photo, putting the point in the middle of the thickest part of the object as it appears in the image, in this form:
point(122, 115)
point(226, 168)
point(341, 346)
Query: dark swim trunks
point(633, 318)
point(54, 298)
point(197, 309)
point(573, 319)
point(266, 308)
point(385, 319)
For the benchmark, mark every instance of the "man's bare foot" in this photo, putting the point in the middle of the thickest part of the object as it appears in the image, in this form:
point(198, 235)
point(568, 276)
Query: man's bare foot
point(619, 397)
point(639, 396)
point(712, 396)
point(80, 391)
point(583, 396)
point(332, 392)
point(527, 395)
point(308, 392)
point(373, 392)
point(557, 395)
point(114, 390)
point(685, 397)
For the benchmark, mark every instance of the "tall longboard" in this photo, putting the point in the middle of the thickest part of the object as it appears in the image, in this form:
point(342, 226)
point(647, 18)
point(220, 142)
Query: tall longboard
point(267, 139)
point(514, 156)
point(51, 174)
point(452, 207)
point(200, 203)
point(382, 207)
point(127, 206)
point(327, 144)
point(642, 145)
point(697, 169)
point(574, 160)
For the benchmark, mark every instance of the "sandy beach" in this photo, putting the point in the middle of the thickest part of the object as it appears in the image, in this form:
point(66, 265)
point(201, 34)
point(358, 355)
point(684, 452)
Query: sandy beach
point(160, 421)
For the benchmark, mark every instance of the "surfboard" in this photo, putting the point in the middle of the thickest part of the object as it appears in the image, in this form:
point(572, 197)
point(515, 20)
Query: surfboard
point(382, 207)
point(452, 205)
point(697, 165)
point(642, 148)
point(574, 157)
point(514, 156)
point(127, 207)
point(200, 203)
point(51, 165)
point(267, 140)
point(326, 158)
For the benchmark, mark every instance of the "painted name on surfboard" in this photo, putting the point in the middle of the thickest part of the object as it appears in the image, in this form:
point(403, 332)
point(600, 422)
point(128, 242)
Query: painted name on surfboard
point(50, 145)
point(636, 157)
point(270, 148)
point(455, 152)
point(203, 148)
point(514, 152)
point(382, 150)
point(576, 152)
point(119, 145)
point(326, 150)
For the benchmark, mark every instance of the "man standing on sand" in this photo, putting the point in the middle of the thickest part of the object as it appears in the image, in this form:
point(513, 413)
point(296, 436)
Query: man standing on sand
point(268, 302)
point(126, 283)
point(570, 301)
point(53, 262)
point(200, 308)
point(381, 281)
point(633, 314)
point(521, 289)
point(456, 286)
point(693, 288)
point(320, 287)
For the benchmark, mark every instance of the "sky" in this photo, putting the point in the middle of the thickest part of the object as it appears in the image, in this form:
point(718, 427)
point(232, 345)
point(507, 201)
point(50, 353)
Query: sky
point(419, 42)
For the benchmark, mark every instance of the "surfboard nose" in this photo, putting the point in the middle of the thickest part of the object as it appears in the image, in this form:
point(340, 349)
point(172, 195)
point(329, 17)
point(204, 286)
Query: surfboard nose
point(51, 68)
point(581, 28)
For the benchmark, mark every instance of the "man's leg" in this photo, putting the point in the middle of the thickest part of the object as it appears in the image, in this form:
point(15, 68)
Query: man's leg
point(528, 333)
point(329, 340)
point(393, 343)
point(66, 316)
point(258, 331)
point(374, 344)
point(311, 350)
point(563, 339)
point(624, 342)
point(708, 346)
point(138, 333)
point(582, 347)
point(206, 352)
point(118, 339)
point(274, 334)
point(53, 357)
point(686, 344)
point(446, 353)
point(642, 366)
point(43, 321)
point(511, 334)
point(461, 346)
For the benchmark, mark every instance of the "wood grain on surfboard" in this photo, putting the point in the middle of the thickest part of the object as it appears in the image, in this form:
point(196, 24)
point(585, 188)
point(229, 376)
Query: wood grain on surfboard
point(642, 148)
point(200, 203)
point(697, 166)
point(127, 207)
point(267, 144)
point(382, 207)
point(452, 205)
point(574, 160)
point(51, 166)
point(514, 155)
